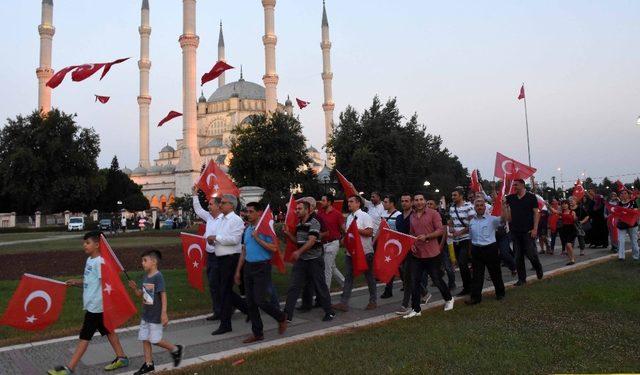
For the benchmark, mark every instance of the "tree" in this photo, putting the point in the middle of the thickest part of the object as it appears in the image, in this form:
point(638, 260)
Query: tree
point(270, 153)
point(120, 188)
point(49, 164)
point(379, 151)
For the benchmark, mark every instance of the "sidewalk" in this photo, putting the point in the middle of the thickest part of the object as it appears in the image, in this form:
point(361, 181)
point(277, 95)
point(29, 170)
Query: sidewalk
point(195, 332)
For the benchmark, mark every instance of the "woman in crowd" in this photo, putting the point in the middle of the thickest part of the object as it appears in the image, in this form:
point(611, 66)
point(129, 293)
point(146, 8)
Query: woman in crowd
point(599, 233)
point(582, 223)
point(554, 217)
point(567, 230)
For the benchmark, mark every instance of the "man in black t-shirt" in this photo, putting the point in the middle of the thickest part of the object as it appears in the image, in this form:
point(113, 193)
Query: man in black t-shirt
point(523, 215)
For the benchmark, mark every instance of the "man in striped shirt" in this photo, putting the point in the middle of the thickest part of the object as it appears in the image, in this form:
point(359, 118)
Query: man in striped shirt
point(461, 213)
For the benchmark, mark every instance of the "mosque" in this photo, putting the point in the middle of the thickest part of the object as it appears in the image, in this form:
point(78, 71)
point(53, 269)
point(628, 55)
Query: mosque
point(207, 122)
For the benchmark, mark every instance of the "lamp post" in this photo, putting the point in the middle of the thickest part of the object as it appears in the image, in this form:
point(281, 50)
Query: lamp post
point(427, 183)
point(638, 121)
point(561, 181)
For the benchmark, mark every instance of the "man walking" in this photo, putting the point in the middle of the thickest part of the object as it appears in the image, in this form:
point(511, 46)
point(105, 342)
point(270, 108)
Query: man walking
point(375, 210)
point(365, 229)
point(523, 215)
point(460, 213)
point(333, 225)
point(391, 216)
point(426, 226)
point(484, 252)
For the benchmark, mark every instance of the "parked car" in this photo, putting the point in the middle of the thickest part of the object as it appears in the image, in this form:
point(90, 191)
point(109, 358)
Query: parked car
point(76, 223)
point(105, 224)
point(167, 224)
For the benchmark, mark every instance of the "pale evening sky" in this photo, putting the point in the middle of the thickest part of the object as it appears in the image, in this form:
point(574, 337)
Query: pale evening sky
point(458, 65)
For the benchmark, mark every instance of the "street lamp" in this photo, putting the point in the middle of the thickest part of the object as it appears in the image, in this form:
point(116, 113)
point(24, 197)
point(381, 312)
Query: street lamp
point(638, 121)
point(427, 183)
point(437, 190)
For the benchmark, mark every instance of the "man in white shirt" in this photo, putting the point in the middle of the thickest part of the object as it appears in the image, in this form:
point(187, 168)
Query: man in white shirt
point(212, 220)
point(365, 228)
point(376, 210)
point(227, 242)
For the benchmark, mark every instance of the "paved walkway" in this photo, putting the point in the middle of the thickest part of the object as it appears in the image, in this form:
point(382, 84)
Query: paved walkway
point(43, 239)
point(195, 332)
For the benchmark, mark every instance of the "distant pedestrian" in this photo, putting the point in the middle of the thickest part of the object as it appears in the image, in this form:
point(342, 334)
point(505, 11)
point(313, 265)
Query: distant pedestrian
point(625, 229)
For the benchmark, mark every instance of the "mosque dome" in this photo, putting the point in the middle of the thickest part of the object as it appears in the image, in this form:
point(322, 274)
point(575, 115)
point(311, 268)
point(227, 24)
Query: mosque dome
point(170, 168)
point(240, 89)
point(155, 169)
point(168, 148)
point(126, 171)
point(140, 171)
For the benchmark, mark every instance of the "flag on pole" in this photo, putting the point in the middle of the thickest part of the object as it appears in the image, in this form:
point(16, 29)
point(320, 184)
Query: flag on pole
point(391, 251)
point(475, 182)
point(116, 303)
point(349, 189)
point(195, 258)
point(506, 167)
point(36, 303)
point(169, 117)
point(215, 183)
point(108, 255)
point(521, 95)
point(265, 228)
point(353, 243)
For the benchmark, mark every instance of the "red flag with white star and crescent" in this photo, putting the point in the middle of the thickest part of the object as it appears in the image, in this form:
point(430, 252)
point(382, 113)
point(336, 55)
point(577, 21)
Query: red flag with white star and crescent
point(392, 248)
point(117, 306)
point(36, 303)
point(506, 167)
point(265, 228)
point(195, 258)
point(215, 183)
point(353, 243)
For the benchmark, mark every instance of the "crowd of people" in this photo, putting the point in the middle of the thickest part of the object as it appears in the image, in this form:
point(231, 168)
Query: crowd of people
point(469, 234)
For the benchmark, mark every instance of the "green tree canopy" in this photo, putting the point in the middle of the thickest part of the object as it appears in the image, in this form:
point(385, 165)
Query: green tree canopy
point(48, 164)
point(120, 188)
point(381, 150)
point(269, 152)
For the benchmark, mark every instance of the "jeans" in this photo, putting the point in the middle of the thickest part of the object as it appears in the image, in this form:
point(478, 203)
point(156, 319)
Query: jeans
point(489, 257)
point(553, 236)
point(348, 280)
point(229, 298)
point(633, 236)
point(214, 283)
point(462, 250)
point(257, 280)
point(505, 251)
point(523, 244)
point(432, 267)
point(304, 272)
point(330, 268)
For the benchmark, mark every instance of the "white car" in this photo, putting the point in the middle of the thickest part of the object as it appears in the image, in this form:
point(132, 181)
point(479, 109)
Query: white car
point(76, 223)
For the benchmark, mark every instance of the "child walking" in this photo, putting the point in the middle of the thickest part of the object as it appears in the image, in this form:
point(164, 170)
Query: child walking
point(92, 303)
point(154, 312)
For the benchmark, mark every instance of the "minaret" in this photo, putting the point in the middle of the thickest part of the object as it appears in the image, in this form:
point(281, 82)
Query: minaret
point(144, 99)
point(189, 165)
point(269, 40)
point(44, 71)
point(327, 78)
point(221, 57)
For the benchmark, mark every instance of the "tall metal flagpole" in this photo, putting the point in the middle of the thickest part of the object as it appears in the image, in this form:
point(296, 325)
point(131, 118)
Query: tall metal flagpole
point(526, 121)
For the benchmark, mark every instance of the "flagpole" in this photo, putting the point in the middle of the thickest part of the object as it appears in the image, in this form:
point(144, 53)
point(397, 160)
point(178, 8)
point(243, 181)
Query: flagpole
point(526, 121)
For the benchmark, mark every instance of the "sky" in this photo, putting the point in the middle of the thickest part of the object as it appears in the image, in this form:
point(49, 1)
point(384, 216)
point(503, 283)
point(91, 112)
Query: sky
point(458, 65)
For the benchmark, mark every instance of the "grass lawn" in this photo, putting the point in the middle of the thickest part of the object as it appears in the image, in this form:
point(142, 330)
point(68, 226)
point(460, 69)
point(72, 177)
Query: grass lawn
point(587, 321)
point(135, 239)
point(183, 301)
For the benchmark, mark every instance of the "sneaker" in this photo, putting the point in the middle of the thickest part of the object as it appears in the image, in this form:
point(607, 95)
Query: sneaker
point(145, 369)
point(404, 310)
point(117, 363)
point(426, 299)
point(386, 295)
point(448, 305)
point(328, 317)
point(539, 273)
point(177, 355)
point(412, 314)
point(60, 370)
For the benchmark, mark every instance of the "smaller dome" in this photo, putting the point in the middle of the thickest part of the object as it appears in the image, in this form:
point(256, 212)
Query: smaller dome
point(168, 148)
point(126, 171)
point(140, 171)
point(312, 149)
point(169, 168)
point(288, 103)
point(202, 99)
point(155, 169)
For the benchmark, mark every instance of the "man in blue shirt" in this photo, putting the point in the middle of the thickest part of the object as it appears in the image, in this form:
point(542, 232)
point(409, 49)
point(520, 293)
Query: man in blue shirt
point(257, 252)
point(484, 251)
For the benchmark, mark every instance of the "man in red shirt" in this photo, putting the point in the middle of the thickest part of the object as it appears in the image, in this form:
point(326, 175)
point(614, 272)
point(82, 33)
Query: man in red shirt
point(426, 226)
point(330, 236)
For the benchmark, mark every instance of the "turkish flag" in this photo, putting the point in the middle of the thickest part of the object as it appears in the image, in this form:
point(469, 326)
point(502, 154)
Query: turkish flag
point(102, 99)
point(85, 71)
point(215, 183)
point(497, 205)
point(349, 189)
point(291, 221)
point(383, 225)
point(521, 95)
point(541, 203)
point(215, 72)
point(578, 190)
point(36, 303)
point(106, 252)
point(475, 183)
point(195, 258)
point(511, 168)
point(392, 248)
point(628, 216)
point(611, 222)
point(169, 117)
point(620, 186)
point(59, 76)
point(107, 66)
point(202, 228)
point(116, 303)
point(353, 243)
point(302, 103)
point(265, 228)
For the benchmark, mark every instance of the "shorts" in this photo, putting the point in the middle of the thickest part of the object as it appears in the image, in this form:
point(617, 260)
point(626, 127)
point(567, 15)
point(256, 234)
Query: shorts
point(151, 332)
point(92, 322)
